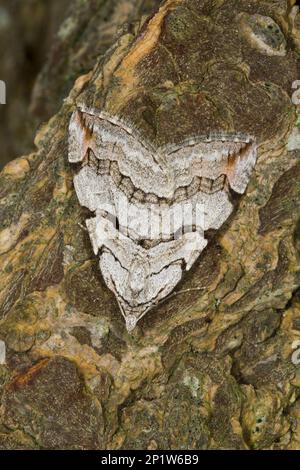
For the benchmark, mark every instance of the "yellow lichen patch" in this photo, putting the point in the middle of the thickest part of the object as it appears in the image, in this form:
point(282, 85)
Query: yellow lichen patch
point(260, 408)
point(81, 82)
point(9, 236)
point(79, 85)
point(44, 132)
point(16, 169)
point(236, 426)
point(58, 321)
point(126, 73)
point(252, 251)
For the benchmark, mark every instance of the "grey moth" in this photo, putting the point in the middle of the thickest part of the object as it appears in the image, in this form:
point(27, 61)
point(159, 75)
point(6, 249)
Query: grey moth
point(152, 206)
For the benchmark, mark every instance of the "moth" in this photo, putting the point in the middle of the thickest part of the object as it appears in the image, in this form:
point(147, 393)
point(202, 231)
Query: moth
point(152, 206)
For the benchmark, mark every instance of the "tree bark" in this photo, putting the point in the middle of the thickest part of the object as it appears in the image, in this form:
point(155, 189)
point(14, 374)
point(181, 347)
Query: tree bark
point(217, 364)
point(26, 33)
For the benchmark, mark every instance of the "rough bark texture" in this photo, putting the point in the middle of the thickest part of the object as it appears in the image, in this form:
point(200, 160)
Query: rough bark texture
point(216, 366)
point(30, 32)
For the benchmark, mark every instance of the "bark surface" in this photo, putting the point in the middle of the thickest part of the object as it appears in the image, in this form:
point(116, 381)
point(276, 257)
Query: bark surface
point(216, 365)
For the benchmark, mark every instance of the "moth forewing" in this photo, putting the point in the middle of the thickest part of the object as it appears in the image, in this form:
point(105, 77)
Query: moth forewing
point(152, 206)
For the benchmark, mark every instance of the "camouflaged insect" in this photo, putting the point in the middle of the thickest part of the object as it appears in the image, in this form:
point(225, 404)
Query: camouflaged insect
point(162, 148)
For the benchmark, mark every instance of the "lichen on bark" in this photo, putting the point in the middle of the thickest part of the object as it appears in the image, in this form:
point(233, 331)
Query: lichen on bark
point(215, 366)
